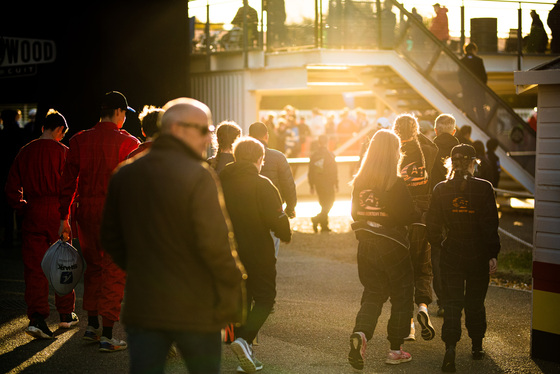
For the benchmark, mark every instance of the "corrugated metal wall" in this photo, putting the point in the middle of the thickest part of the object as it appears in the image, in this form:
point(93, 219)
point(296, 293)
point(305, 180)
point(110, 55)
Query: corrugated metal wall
point(223, 93)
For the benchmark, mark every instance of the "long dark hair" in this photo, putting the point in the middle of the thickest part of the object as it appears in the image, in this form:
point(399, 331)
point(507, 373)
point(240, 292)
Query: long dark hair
point(226, 133)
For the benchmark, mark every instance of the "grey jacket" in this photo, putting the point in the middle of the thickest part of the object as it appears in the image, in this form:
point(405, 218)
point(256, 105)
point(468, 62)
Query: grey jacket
point(277, 169)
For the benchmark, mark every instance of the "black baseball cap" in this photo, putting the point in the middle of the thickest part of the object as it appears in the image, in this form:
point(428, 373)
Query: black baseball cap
point(115, 100)
point(463, 151)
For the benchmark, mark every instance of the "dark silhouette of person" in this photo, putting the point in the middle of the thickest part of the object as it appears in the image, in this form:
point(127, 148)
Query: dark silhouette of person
point(249, 16)
point(12, 138)
point(553, 21)
point(473, 93)
point(537, 40)
point(276, 17)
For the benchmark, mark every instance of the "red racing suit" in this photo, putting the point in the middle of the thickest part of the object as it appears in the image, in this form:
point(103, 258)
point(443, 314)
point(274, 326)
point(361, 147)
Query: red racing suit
point(32, 189)
point(92, 157)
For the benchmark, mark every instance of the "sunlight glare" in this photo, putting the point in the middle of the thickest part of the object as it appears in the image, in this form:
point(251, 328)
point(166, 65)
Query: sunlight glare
point(341, 208)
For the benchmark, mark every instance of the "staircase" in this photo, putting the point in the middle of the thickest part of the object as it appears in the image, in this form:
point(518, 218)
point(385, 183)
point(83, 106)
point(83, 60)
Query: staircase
point(423, 74)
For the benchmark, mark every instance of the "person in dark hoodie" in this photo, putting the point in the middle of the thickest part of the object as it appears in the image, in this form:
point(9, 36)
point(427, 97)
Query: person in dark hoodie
point(277, 169)
point(445, 128)
point(323, 179)
point(494, 160)
point(419, 154)
point(464, 208)
point(473, 92)
point(482, 169)
point(255, 209)
point(382, 208)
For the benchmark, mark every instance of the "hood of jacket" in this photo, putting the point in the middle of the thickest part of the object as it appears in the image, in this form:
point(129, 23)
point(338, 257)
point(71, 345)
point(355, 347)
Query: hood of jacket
point(238, 169)
point(445, 142)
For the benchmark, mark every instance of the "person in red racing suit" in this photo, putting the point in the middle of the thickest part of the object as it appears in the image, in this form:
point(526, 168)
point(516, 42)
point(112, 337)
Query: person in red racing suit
point(32, 189)
point(92, 157)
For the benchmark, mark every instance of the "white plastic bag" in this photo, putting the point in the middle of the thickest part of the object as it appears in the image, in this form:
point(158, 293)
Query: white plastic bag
point(63, 266)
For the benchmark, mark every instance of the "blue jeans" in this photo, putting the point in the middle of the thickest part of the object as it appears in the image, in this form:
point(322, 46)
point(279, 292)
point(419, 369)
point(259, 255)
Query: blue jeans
point(148, 349)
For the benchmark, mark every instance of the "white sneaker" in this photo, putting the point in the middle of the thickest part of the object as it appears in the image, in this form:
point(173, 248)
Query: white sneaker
point(111, 345)
point(258, 365)
point(428, 332)
point(244, 354)
point(93, 334)
point(411, 337)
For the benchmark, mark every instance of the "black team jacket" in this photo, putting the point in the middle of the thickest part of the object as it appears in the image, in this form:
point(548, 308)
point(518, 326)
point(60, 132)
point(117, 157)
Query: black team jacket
point(464, 208)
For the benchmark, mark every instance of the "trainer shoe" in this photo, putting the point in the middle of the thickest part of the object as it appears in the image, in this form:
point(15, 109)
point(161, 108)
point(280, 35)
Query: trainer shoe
point(478, 354)
point(38, 329)
point(244, 354)
point(68, 321)
point(428, 332)
point(358, 344)
point(448, 365)
point(412, 336)
point(111, 345)
point(92, 334)
point(258, 365)
point(397, 357)
point(315, 224)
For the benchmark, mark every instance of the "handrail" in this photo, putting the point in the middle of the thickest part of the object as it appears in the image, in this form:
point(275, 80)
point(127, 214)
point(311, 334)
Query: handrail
point(496, 103)
point(453, 56)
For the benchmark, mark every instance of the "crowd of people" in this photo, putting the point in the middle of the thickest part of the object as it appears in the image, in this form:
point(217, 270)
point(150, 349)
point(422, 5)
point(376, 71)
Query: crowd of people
point(191, 242)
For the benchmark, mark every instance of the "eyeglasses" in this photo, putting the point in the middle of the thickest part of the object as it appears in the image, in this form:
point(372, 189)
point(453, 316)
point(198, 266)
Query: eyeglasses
point(203, 129)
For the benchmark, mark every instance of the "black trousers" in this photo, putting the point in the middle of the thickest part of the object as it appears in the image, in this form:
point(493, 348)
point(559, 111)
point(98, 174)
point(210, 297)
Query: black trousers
point(435, 256)
point(420, 255)
point(464, 286)
point(326, 195)
point(261, 294)
point(385, 270)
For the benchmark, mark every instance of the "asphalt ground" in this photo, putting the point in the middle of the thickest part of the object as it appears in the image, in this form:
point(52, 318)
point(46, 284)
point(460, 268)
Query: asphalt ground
point(318, 297)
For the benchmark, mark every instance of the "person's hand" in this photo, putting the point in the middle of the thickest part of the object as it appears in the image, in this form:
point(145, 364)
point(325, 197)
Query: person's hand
point(493, 265)
point(291, 213)
point(64, 232)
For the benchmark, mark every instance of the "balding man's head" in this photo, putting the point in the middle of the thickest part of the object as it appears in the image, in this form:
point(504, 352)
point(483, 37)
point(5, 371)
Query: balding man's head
point(188, 120)
point(185, 110)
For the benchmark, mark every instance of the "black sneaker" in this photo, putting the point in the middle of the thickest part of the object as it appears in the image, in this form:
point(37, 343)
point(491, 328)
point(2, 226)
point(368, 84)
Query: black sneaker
point(315, 224)
point(448, 365)
point(38, 329)
point(68, 321)
point(478, 354)
point(358, 343)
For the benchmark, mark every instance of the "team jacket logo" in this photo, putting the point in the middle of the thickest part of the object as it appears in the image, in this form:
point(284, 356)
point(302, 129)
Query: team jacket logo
point(320, 164)
point(370, 204)
point(414, 174)
point(461, 205)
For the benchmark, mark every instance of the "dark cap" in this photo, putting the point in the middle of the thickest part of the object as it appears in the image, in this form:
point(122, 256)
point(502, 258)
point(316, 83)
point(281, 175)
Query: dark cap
point(115, 100)
point(463, 151)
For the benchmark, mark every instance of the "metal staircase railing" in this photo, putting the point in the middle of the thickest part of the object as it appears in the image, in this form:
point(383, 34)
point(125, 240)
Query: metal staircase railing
point(442, 68)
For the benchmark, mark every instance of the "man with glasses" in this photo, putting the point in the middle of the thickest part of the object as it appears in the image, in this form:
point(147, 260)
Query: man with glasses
point(184, 282)
point(92, 157)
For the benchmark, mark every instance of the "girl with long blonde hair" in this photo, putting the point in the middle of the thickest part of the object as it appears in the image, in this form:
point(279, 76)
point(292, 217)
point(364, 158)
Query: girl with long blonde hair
point(382, 208)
